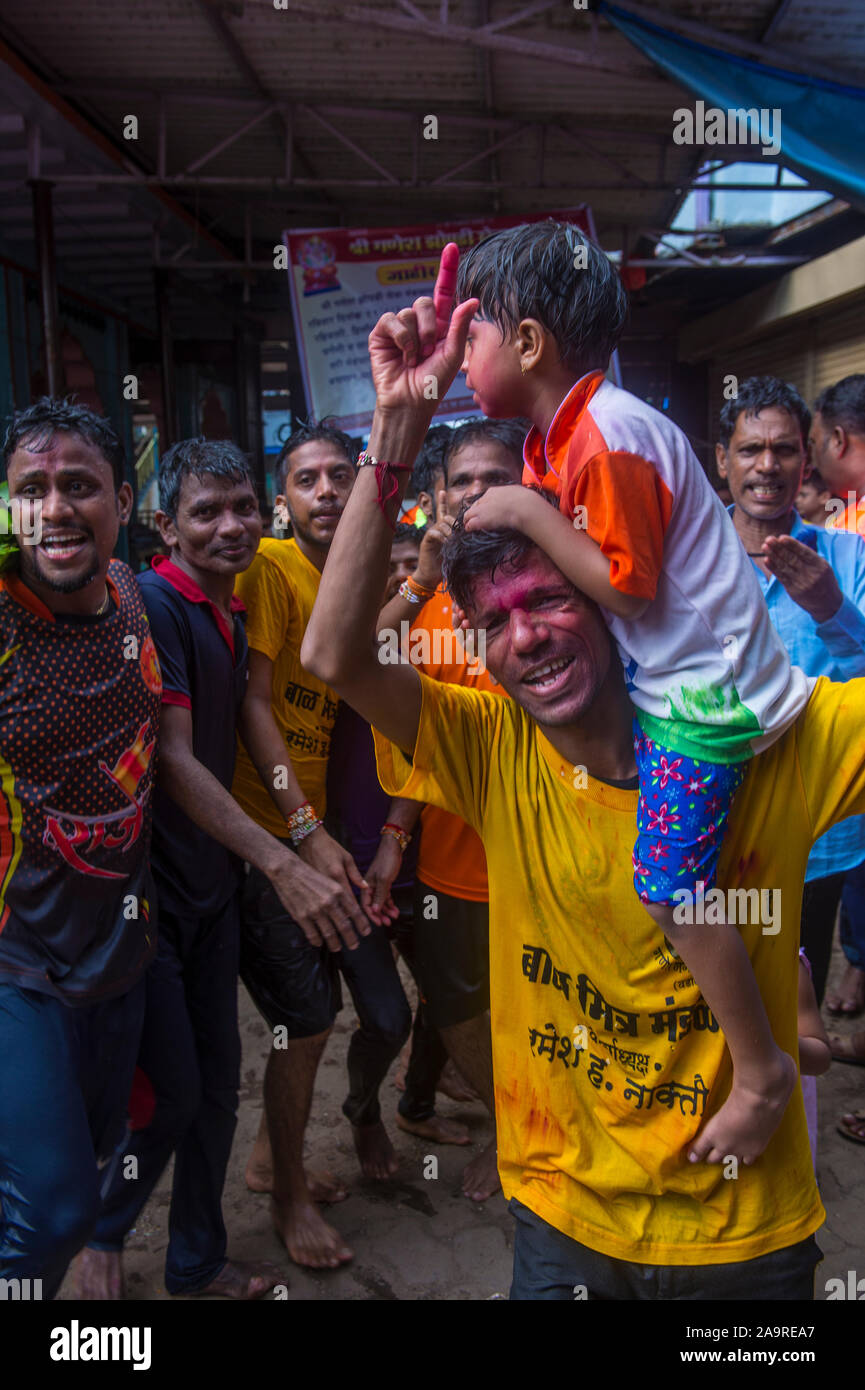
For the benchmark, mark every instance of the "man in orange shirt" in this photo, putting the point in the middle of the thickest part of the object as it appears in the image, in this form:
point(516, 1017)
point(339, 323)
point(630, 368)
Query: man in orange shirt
point(837, 448)
point(451, 910)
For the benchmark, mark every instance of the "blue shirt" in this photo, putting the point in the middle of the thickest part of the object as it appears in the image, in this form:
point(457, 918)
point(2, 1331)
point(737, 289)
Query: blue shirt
point(835, 649)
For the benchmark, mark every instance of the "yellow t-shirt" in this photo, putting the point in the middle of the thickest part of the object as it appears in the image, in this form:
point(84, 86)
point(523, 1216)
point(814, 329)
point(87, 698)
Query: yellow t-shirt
point(595, 1141)
point(279, 590)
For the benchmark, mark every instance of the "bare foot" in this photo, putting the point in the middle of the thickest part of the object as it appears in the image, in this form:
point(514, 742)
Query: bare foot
point(453, 1084)
point(307, 1237)
point(748, 1118)
point(239, 1279)
point(848, 1047)
point(259, 1167)
point(98, 1274)
point(481, 1176)
point(436, 1128)
point(323, 1186)
point(852, 1126)
point(402, 1067)
point(849, 998)
point(376, 1153)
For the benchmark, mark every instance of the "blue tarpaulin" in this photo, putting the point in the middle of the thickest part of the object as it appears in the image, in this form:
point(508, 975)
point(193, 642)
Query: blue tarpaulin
point(821, 122)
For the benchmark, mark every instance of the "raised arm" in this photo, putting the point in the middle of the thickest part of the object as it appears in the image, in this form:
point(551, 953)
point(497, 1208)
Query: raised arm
point(407, 351)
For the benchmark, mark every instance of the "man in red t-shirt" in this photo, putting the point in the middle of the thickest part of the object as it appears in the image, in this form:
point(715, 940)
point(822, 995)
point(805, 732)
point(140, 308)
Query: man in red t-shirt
point(80, 690)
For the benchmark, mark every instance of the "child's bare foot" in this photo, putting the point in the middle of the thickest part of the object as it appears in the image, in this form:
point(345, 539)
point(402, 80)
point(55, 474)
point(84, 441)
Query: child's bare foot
point(98, 1274)
point(748, 1118)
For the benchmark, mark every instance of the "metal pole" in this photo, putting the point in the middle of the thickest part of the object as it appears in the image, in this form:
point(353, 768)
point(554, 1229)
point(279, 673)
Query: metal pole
point(43, 222)
point(166, 361)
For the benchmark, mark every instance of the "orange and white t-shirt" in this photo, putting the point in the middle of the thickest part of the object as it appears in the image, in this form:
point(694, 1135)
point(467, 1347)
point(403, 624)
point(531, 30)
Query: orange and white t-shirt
point(704, 665)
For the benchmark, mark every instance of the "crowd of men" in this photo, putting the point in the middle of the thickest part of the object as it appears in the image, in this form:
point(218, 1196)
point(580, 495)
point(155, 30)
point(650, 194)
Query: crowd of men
point(192, 794)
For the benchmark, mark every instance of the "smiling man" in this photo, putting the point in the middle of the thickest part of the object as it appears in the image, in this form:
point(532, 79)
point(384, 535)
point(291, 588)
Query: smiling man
point(288, 724)
point(813, 581)
point(189, 1058)
point(607, 1060)
point(80, 693)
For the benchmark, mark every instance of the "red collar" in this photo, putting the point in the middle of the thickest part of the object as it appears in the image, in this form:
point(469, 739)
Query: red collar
point(187, 587)
point(550, 454)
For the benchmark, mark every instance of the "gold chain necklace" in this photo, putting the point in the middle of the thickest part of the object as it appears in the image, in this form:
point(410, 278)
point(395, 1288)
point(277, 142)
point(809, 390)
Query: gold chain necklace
point(103, 607)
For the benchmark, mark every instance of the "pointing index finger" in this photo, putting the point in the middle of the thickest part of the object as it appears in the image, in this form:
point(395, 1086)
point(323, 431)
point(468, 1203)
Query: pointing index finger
point(445, 287)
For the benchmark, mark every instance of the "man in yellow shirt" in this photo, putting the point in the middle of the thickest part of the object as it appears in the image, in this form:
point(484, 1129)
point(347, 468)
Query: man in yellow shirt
point(280, 782)
point(607, 1060)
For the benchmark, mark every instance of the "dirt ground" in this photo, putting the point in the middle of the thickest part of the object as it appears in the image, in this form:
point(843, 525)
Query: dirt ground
point(419, 1238)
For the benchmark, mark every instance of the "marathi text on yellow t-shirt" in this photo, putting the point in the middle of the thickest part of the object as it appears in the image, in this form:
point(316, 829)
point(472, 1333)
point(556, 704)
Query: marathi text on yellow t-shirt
point(279, 590)
point(606, 1058)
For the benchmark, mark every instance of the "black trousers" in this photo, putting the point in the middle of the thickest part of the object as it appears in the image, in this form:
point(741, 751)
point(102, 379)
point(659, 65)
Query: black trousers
point(819, 905)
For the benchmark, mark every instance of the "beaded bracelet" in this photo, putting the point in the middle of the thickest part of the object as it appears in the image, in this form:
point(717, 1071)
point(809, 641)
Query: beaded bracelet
point(411, 594)
point(401, 836)
point(302, 822)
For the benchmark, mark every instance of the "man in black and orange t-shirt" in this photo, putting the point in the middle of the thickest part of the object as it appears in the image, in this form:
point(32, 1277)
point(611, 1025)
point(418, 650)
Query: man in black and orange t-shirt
point(80, 692)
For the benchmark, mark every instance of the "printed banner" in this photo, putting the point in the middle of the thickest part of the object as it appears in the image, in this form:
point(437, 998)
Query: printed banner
point(342, 280)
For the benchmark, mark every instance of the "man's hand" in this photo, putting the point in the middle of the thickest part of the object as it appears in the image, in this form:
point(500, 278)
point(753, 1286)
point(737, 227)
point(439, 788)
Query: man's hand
point(510, 507)
point(808, 578)
point(426, 341)
point(325, 910)
point(375, 898)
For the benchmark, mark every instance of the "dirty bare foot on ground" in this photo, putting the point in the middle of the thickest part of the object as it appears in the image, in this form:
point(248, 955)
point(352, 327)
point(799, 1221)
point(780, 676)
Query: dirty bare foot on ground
point(849, 998)
point(436, 1128)
point(259, 1167)
point(242, 1279)
point(402, 1067)
point(376, 1153)
point(323, 1186)
point(481, 1176)
point(98, 1274)
point(307, 1237)
point(453, 1084)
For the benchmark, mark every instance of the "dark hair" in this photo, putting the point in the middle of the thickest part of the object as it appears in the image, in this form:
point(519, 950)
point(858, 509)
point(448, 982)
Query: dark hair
point(307, 432)
point(509, 433)
point(37, 425)
point(468, 555)
point(531, 271)
point(762, 393)
point(199, 458)
point(407, 533)
point(816, 480)
point(844, 404)
point(429, 460)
